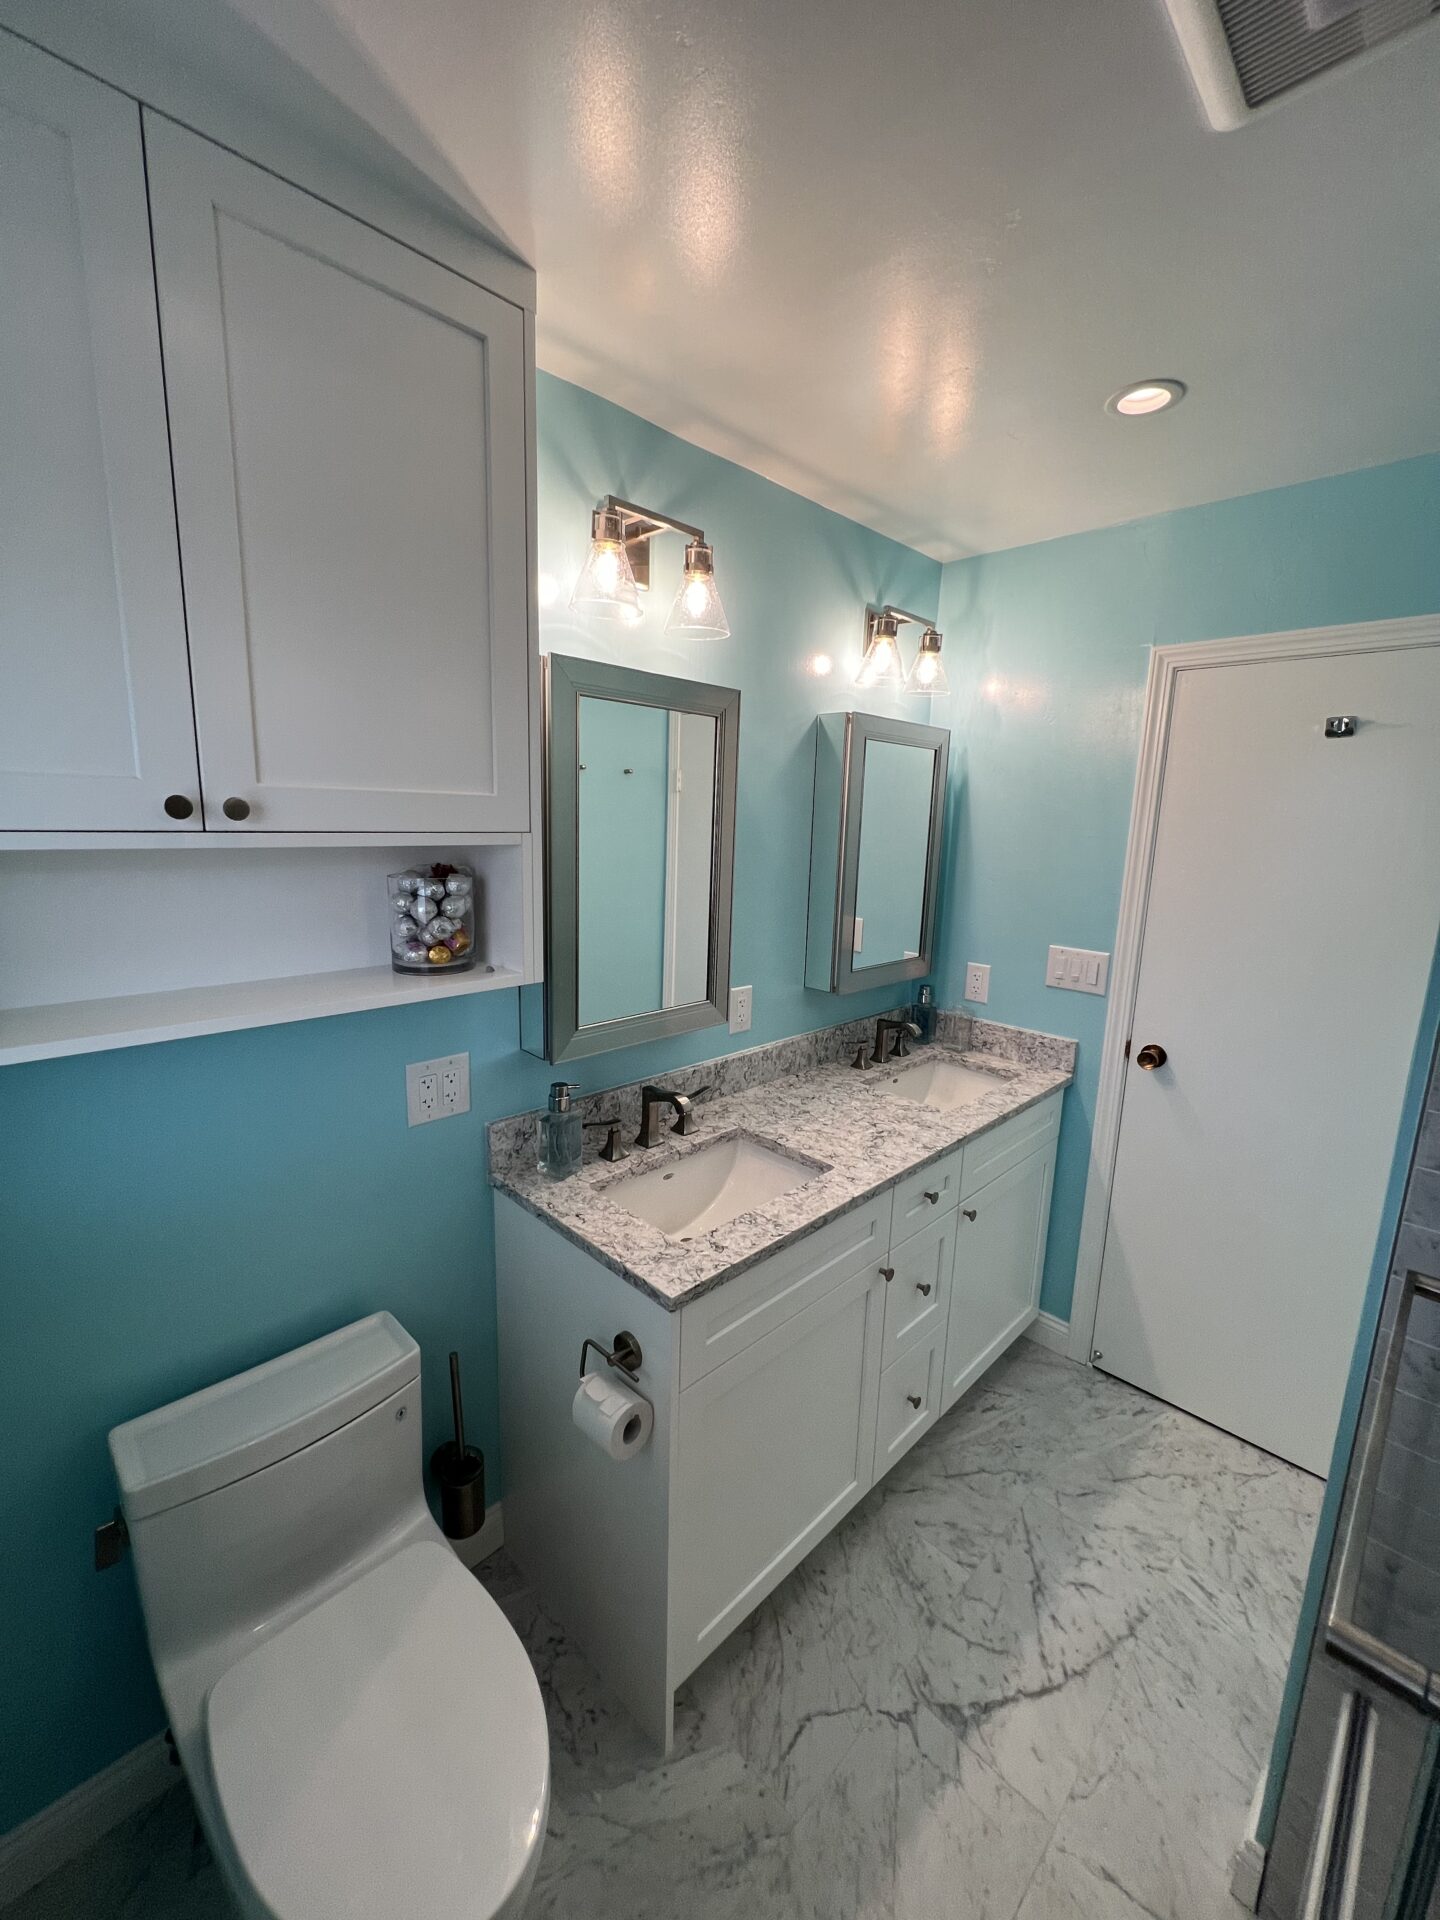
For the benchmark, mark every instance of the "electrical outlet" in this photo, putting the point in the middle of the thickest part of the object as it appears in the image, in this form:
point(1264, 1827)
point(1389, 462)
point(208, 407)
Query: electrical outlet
point(977, 982)
point(437, 1089)
point(741, 999)
point(1078, 969)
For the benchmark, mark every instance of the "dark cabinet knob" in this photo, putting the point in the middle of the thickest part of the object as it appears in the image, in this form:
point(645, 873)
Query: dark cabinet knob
point(933, 1198)
point(1150, 1057)
point(179, 806)
point(234, 809)
point(887, 1274)
point(923, 1286)
point(914, 1400)
point(969, 1212)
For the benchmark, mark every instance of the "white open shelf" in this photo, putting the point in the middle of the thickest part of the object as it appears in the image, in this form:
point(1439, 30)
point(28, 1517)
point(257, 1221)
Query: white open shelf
point(125, 947)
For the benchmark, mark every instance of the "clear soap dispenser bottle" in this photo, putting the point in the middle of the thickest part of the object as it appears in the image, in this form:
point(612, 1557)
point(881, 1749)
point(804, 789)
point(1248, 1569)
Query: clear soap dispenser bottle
point(560, 1132)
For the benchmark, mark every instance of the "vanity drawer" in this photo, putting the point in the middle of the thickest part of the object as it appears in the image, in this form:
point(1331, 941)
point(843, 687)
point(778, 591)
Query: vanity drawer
point(917, 1296)
point(909, 1402)
point(922, 1197)
point(1015, 1139)
point(741, 1311)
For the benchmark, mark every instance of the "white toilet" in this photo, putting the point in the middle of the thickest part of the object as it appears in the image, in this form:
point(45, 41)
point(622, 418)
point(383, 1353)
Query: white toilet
point(359, 1724)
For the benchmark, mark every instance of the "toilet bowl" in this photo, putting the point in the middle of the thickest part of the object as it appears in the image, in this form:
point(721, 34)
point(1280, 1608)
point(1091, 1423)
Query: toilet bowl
point(359, 1724)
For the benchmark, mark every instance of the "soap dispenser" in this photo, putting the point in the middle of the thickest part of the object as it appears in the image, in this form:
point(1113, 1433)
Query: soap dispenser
point(923, 1011)
point(560, 1133)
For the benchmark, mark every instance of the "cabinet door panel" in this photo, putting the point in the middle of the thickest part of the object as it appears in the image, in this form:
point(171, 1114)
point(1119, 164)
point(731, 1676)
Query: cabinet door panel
point(350, 465)
point(774, 1446)
point(95, 721)
point(995, 1284)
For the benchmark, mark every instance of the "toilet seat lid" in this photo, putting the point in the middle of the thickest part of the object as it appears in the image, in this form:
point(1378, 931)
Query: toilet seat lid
point(386, 1754)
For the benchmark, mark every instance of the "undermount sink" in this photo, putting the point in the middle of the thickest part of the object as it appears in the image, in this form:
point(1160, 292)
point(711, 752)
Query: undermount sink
point(700, 1192)
point(945, 1084)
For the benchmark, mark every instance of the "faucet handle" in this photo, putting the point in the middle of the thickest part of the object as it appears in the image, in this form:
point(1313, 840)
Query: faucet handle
point(612, 1149)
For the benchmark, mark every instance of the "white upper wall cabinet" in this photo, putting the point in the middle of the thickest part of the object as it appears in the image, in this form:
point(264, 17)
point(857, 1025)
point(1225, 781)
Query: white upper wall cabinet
point(95, 719)
point(348, 429)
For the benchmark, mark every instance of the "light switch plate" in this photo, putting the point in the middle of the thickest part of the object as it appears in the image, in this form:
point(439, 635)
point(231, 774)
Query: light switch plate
point(1078, 969)
point(741, 1003)
point(977, 982)
point(437, 1089)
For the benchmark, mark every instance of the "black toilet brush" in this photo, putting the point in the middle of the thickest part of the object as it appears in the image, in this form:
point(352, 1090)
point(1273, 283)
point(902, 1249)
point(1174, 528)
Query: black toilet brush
point(459, 1472)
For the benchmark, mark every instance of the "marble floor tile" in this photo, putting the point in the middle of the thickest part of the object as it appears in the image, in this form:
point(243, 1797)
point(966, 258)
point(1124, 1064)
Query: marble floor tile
point(1032, 1676)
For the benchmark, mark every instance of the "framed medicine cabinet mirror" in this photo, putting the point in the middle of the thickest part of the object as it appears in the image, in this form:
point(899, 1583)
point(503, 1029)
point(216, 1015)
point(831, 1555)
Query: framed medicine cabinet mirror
point(639, 858)
point(874, 850)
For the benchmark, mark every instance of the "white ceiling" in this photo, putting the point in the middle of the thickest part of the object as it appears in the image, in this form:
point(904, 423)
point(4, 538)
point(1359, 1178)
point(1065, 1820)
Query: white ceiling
point(896, 256)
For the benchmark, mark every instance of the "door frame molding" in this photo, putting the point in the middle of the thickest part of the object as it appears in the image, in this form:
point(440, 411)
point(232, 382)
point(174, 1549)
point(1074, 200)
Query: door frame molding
point(1167, 663)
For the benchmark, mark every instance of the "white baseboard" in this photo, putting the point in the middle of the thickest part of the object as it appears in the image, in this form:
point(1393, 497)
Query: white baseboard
point(1248, 1868)
point(41, 1845)
point(1049, 1331)
point(488, 1540)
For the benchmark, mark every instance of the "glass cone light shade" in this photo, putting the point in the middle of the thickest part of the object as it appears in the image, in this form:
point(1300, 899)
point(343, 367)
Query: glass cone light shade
point(880, 668)
point(927, 674)
point(698, 609)
point(607, 580)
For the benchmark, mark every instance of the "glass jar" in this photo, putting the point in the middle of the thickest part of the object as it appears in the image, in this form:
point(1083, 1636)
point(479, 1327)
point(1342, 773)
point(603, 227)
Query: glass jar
point(432, 926)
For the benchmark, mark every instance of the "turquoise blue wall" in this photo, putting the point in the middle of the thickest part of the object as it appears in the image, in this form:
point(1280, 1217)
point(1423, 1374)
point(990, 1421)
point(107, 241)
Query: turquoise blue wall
point(1047, 649)
point(172, 1213)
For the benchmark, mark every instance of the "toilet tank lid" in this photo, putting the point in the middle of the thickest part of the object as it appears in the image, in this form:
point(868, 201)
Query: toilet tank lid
point(221, 1434)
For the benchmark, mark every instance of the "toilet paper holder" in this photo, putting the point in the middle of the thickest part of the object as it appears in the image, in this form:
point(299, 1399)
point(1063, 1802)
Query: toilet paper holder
point(626, 1357)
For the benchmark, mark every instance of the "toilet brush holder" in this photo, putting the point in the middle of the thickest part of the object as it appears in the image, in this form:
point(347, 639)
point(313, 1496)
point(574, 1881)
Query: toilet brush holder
point(459, 1472)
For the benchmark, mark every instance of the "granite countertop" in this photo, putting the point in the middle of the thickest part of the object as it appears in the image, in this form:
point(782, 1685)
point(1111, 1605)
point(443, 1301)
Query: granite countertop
point(850, 1126)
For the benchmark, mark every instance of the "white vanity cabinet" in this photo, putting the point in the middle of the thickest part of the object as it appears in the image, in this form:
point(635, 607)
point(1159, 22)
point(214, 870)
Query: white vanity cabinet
point(95, 720)
point(347, 425)
point(780, 1397)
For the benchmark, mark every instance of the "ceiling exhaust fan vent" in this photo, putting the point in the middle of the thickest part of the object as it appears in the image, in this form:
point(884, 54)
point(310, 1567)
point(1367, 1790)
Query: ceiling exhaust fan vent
point(1245, 54)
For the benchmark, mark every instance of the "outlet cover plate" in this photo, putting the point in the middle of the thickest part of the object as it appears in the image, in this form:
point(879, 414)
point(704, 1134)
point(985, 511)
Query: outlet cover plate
point(977, 982)
point(437, 1089)
point(742, 1000)
point(1077, 969)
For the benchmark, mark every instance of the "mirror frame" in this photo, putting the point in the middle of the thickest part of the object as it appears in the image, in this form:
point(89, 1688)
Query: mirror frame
point(566, 681)
point(835, 850)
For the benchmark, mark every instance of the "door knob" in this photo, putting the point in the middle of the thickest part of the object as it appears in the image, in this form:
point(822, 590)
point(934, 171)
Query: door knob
point(1149, 1057)
point(914, 1400)
point(923, 1286)
point(234, 809)
point(179, 806)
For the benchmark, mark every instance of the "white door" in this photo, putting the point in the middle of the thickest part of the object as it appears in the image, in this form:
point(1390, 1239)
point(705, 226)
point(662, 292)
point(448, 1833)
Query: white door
point(95, 724)
point(348, 422)
point(1291, 922)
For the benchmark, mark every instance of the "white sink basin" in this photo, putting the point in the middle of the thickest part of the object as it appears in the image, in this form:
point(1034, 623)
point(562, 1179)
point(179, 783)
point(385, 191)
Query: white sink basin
point(691, 1196)
point(945, 1084)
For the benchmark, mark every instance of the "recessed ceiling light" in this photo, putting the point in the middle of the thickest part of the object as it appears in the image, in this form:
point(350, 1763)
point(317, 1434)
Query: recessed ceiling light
point(1146, 396)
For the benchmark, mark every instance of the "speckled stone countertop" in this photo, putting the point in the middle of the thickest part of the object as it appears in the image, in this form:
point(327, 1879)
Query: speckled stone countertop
point(850, 1126)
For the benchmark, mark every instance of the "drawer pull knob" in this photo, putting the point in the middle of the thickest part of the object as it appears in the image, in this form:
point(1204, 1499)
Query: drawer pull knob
point(914, 1400)
point(969, 1212)
point(236, 809)
point(887, 1274)
point(923, 1286)
point(179, 806)
point(933, 1198)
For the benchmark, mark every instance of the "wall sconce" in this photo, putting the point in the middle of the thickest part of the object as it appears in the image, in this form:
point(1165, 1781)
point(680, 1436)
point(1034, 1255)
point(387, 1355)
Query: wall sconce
point(617, 570)
point(880, 664)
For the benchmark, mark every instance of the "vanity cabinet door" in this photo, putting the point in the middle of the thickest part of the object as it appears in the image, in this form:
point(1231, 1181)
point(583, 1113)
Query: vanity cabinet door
point(348, 422)
point(95, 724)
point(772, 1448)
point(999, 1254)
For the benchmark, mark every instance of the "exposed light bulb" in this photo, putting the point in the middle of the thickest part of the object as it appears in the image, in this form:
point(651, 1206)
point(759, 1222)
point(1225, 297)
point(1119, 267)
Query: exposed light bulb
point(695, 596)
point(880, 667)
point(607, 569)
point(607, 580)
point(927, 674)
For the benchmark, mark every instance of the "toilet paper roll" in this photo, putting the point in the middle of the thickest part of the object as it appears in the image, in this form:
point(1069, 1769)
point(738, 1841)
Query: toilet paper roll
point(612, 1416)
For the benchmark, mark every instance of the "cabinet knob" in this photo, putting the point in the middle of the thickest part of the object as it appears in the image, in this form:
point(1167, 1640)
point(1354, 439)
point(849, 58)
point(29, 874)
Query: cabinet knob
point(923, 1286)
point(236, 809)
point(1150, 1057)
point(915, 1401)
point(933, 1198)
point(969, 1212)
point(179, 806)
point(887, 1274)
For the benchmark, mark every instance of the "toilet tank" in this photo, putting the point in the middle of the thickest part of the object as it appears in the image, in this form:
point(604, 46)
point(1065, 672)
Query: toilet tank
point(252, 1497)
